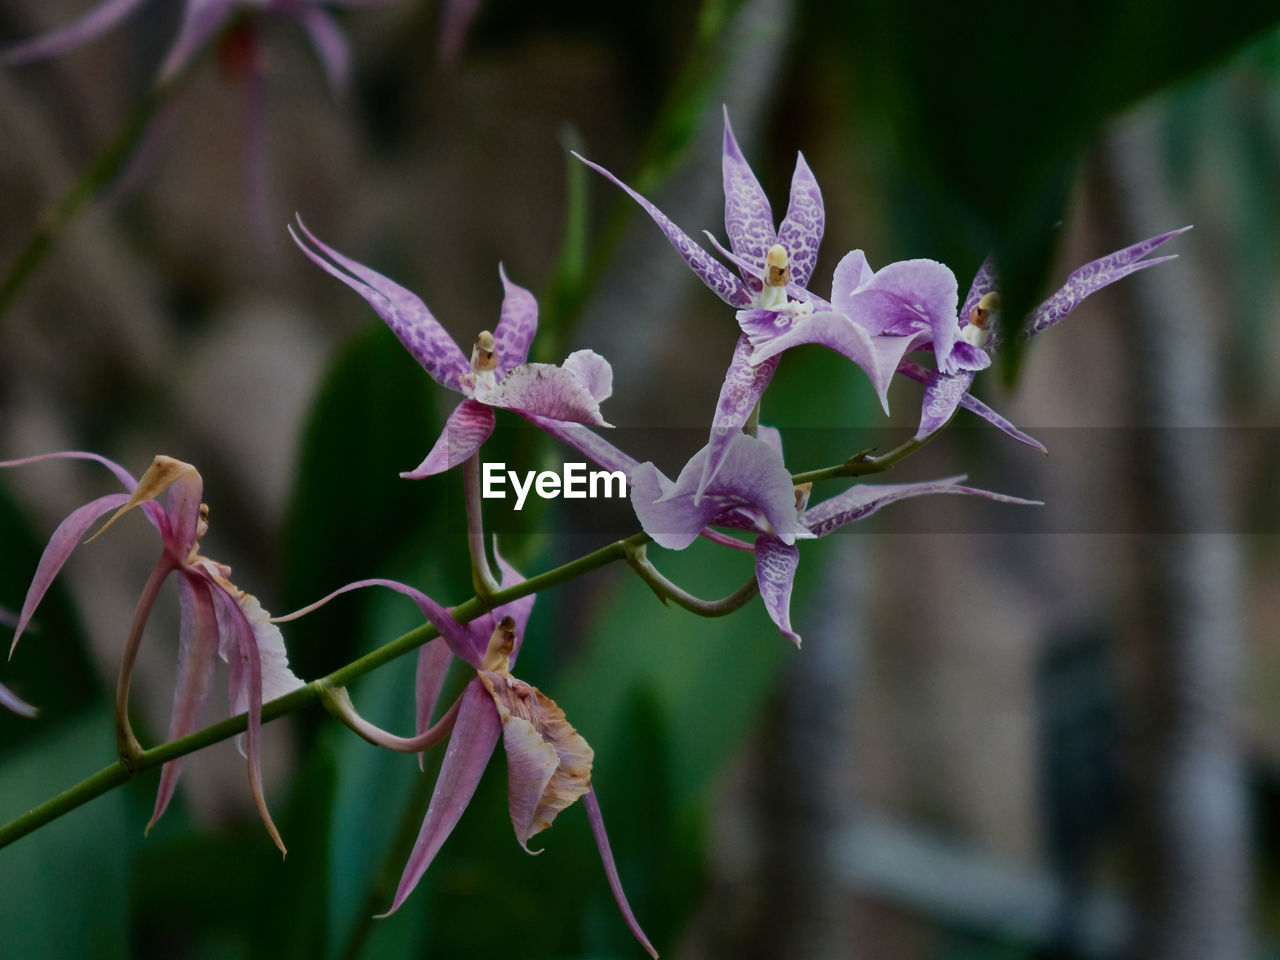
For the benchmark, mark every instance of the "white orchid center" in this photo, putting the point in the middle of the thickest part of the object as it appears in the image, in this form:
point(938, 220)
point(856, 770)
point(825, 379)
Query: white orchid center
point(773, 293)
point(978, 332)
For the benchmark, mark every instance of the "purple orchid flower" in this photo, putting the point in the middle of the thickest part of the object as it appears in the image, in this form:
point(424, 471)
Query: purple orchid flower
point(975, 339)
point(755, 493)
point(775, 267)
point(8, 699)
point(218, 618)
point(548, 761)
point(497, 375)
point(201, 21)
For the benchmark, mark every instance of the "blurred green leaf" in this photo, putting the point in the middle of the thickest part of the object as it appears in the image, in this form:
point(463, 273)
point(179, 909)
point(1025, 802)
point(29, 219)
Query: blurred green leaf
point(64, 890)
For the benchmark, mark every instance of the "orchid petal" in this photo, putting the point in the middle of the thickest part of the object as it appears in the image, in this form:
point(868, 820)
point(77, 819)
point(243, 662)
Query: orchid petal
point(878, 356)
point(853, 273)
point(754, 477)
point(434, 658)
point(467, 428)
point(330, 45)
point(587, 442)
point(197, 656)
point(943, 393)
point(186, 488)
point(747, 218)
point(776, 564)
point(11, 701)
point(518, 610)
point(714, 274)
point(907, 297)
point(402, 311)
point(475, 734)
point(516, 326)
point(200, 21)
point(454, 633)
point(70, 532)
point(744, 385)
point(544, 390)
point(155, 513)
point(548, 762)
point(86, 28)
point(596, 820)
point(985, 281)
point(865, 499)
point(247, 659)
point(593, 371)
point(801, 230)
point(1093, 277)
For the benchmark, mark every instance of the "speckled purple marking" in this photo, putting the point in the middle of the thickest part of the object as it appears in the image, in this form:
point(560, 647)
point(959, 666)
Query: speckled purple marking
point(801, 230)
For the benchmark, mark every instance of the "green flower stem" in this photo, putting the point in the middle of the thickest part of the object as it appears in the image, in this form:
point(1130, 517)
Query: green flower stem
point(99, 175)
point(666, 590)
point(110, 777)
point(863, 464)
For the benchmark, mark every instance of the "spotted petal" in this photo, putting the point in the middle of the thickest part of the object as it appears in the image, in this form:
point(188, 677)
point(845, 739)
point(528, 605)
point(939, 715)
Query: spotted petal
point(747, 218)
point(516, 326)
point(406, 315)
point(943, 393)
point(544, 390)
point(467, 428)
point(776, 564)
point(744, 384)
point(801, 230)
point(864, 499)
point(713, 273)
point(1094, 276)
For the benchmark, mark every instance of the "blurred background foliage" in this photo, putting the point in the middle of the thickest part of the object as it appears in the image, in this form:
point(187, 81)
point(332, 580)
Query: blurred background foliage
point(947, 770)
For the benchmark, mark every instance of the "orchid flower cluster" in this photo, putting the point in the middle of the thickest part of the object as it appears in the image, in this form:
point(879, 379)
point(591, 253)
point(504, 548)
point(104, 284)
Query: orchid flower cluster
point(737, 492)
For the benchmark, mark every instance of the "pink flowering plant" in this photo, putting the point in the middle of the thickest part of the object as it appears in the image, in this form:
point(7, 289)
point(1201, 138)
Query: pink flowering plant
point(738, 492)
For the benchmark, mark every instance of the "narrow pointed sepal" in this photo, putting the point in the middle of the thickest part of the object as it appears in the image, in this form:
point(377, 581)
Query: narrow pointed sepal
point(709, 270)
point(744, 384)
point(407, 316)
point(68, 535)
point(801, 229)
point(469, 426)
point(748, 220)
point(12, 702)
point(517, 325)
point(776, 564)
point(475, 734)
point(596, 819)
point(864, 499)
point(197, 659)
point(79, 32)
